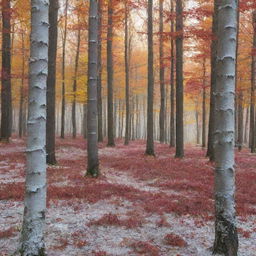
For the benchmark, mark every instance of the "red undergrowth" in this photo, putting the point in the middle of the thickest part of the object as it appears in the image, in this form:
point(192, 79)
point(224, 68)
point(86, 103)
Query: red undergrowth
point(174, 240)
point(113, 220)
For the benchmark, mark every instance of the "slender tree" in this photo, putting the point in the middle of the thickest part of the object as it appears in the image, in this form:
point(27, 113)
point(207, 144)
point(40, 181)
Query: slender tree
point(240, 121)
point(204, 106)
point(21, 103)
point(99, 93)
point(150, 113)
point(172, 91)
point(226, 240)
point(252, 141)
point(6, 93)
point(210, 150)
point(32, 236)
point(51, 82)
point(63, 92)
point(127, 77)
point(161, 75)
point(75, 79)
point(179, 80)
point(111, 141)
point(92, 147)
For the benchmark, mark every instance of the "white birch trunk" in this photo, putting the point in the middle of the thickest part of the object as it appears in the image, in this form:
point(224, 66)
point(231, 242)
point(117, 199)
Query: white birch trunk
point(226, 241)
point(32, 237)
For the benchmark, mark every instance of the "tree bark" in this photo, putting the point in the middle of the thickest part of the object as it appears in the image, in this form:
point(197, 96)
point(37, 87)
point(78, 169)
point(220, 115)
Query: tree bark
point(92, 122)
point(21, 105)
point(51, 83)
point(252, 141)
point(246, 126)
point(6, 93)
point(32, 237)
point(75, 81)
point(99, 93)
point(150, 113)
point(127, 79)
point(111, 142)
point(172, 91)
point(210, 150)
point(161, 75)
point(63, 92)
point(179, 81)
point(226, 239)
point(240, 121)
point(85, 121)
point(204, 106)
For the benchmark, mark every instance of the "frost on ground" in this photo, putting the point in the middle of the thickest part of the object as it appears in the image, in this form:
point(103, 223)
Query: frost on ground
point(139, 206)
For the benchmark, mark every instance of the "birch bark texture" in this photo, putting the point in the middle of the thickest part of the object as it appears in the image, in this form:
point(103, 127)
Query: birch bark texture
point(226, 240)
point(92, 122)
point(32, 236)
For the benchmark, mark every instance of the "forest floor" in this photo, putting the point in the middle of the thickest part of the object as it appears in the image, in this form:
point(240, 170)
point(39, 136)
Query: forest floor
point(140, 205)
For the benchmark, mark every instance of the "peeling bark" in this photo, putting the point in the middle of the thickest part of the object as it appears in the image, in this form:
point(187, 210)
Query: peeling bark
point(32, 236)
point(226, 239)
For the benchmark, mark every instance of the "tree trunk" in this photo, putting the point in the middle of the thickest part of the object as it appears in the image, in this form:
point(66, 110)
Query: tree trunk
point(252, 141)
point(197, 128)
point(51, 82)
point(99, 93)
point(32, 236)
point(63, 92)
point(179, 81)
point(150, 113)
point(6, 93)
point(127, 78)
point(246, 126)
point(85, 121)
point(240, 121)
point(75, 81)
point(111, 142)
point(210, 150)
point(226, 239)
point(172, 91)
point(161, 75)
point(21, 105)
point(204, 107)
point(92, 122)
